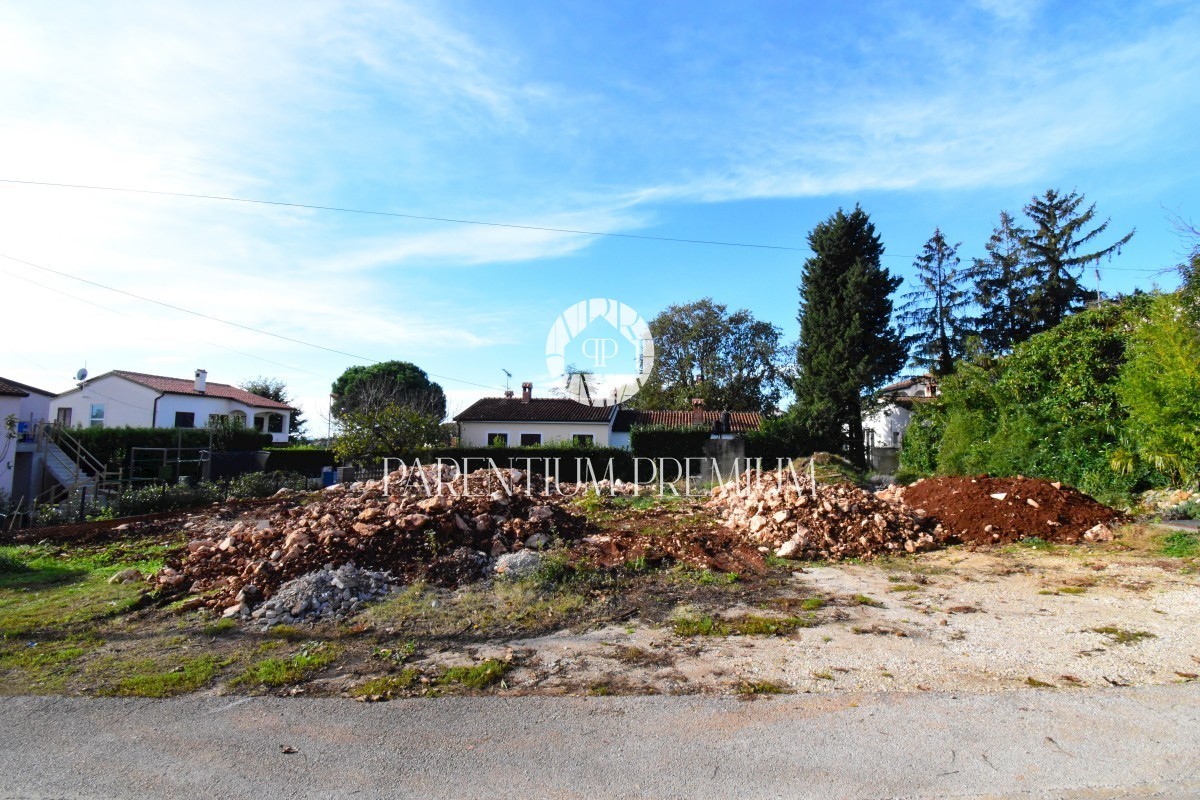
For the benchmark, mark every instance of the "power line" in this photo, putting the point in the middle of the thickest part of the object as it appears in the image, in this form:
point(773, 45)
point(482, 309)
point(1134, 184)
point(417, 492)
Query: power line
point(399, 215)
point(224, 321)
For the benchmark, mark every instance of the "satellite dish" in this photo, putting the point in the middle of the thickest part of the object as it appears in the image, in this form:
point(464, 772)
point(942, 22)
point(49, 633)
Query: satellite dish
point(81, 374)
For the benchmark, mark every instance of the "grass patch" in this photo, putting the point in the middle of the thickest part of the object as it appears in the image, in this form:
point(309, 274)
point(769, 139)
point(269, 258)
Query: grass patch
point(640, 657)
point(150, 680)
point(823, 676)
point(313, 657)
point(478, 677)
point(1072, 590)
point(749, 625)
point(387, 686)
point(904, 587)
point(1180, 544)
point(1123, 635)
point(288, 633)
point(42, 666)
point(1034, 543)
point(751, 688)
point(599, 690)
point(516, 606)
point(219, 628)
point(864, 600)
point(1035, 683)
point(707, 577)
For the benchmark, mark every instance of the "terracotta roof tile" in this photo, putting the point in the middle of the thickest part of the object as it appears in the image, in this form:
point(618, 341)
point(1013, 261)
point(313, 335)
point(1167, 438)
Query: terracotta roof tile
point(160, 383)
point(11, 389)
point(24, 387)
point(505, 409)
point(739, 421)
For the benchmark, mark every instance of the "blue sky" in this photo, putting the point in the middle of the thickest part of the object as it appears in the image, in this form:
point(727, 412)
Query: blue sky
point(733, 122)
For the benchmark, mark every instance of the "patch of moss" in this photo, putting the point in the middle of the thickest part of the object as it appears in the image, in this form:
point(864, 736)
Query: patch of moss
point(479, 676)
point(311, 658)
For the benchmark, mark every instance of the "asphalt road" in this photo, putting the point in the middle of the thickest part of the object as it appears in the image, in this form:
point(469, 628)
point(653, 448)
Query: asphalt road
point(1141, 742)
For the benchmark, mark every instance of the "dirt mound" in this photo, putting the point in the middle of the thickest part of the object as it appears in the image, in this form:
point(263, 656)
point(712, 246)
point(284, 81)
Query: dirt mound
point(437, 527)
point(782, 511)
point(987, 510)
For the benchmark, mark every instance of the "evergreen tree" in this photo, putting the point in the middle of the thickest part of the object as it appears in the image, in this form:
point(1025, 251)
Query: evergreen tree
point(1001, 289)
point(848, 347)
point(1058, 231)
point(935, 308)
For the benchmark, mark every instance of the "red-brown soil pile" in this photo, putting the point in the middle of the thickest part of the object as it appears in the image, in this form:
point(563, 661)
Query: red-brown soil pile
point(781, 511)
point(987, 510)
point(440, 531)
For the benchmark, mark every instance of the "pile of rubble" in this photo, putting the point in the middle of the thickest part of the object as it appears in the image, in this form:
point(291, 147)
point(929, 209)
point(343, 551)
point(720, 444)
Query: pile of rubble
point(326, 593)
point(984, 510)
point(1170, 503)
point(785, 512)
point(432, 525)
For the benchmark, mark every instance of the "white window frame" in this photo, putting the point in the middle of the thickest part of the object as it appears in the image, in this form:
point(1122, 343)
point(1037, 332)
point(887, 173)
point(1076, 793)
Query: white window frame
point(93, 420)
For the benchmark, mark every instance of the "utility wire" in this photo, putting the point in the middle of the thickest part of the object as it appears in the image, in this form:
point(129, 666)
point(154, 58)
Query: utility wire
point(457, 221)
point(371, 212)
point(224, 321)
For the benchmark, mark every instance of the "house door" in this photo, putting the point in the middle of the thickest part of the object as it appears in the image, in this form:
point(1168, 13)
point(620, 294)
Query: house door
point(64, 417)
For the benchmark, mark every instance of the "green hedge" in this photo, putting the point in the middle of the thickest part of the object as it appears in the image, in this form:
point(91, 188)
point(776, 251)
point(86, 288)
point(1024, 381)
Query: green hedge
point(662, 441)
point(779, 438)
point(112, 445)
point(306, 461)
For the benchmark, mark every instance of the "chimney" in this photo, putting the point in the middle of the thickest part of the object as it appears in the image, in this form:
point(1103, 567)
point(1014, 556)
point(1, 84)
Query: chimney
point(526, 392)
point(697, 411)
point(201, 380)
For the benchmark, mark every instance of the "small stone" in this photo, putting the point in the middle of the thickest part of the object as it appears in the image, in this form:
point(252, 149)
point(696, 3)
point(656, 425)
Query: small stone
point(999, 496)
point(130, 575)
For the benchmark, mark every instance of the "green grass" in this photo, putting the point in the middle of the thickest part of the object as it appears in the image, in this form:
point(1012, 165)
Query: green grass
point(479, 676)
point(1072, 590)
point(751, 688)
point(904, 587)
point(749, 625)
point(517, 606)
point(219, 628)
point(1122, 635)
point(312, 658)
point(41, 591)
point(1180, 544)
point(42, 666)
point(387, 686)
point(150, 680)
point(813, 603)
point(864, 600)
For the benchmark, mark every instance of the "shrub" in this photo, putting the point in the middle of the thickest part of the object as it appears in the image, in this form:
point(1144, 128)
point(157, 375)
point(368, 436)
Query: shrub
point(112, 445)
point(664, 441)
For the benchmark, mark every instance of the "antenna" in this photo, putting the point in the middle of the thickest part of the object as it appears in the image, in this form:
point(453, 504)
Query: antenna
point(507, 378)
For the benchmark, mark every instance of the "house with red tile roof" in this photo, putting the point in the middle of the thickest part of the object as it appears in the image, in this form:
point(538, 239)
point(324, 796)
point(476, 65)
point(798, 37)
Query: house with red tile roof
point(123, 398)
point(529, 420)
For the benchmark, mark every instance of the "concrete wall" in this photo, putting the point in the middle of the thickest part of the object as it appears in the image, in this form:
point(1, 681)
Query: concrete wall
point(126, 404)
point(475, 434)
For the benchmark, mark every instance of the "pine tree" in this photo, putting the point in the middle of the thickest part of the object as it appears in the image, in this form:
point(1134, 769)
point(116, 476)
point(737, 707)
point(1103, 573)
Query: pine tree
point(1001, 289)
point(1058, 230)
point(848, 346)
point(935, 308)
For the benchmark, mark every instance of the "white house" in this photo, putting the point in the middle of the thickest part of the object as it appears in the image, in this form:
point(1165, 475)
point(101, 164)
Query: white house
point(525, 421)
point(27, 405)
point(883, 428)
point(121, 398)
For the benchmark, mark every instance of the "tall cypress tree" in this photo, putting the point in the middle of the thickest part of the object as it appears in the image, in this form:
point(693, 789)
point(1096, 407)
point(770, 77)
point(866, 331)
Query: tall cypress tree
point(848, 346)
point(1058, 230)
point(1001, 289)
point(935, 308)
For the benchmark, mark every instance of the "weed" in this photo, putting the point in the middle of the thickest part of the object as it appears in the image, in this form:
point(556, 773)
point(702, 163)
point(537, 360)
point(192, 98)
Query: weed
point(288, 633)
point(219, 628)
point(478, 677)
point(312, 657)
point(187, 676)
point(396, 655)
point(824, 676)
point(813, 603)
point(1122, 635)
point(773, 560)
point(639, 657)
point(1047, 591)
point(904, 587)
point(1035, 683)
point(385, 687)
point(1034, 543)
point(748, 625)
point(1072, 590)
point(761, 687)
point(599, 690)
point(1180, 544)
point(864, 600)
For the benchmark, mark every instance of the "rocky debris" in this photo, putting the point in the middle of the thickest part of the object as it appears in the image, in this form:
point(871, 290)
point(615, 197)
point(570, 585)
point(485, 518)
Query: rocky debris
point(520, 564)
point(1168, 502)
point(780, 511)
point(432, 524)
point(327, 593)
point(985, 510)
point(130, 575)
point(604, 488)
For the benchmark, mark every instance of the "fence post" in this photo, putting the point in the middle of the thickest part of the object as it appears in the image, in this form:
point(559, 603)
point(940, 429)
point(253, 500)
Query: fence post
point(82, 502)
